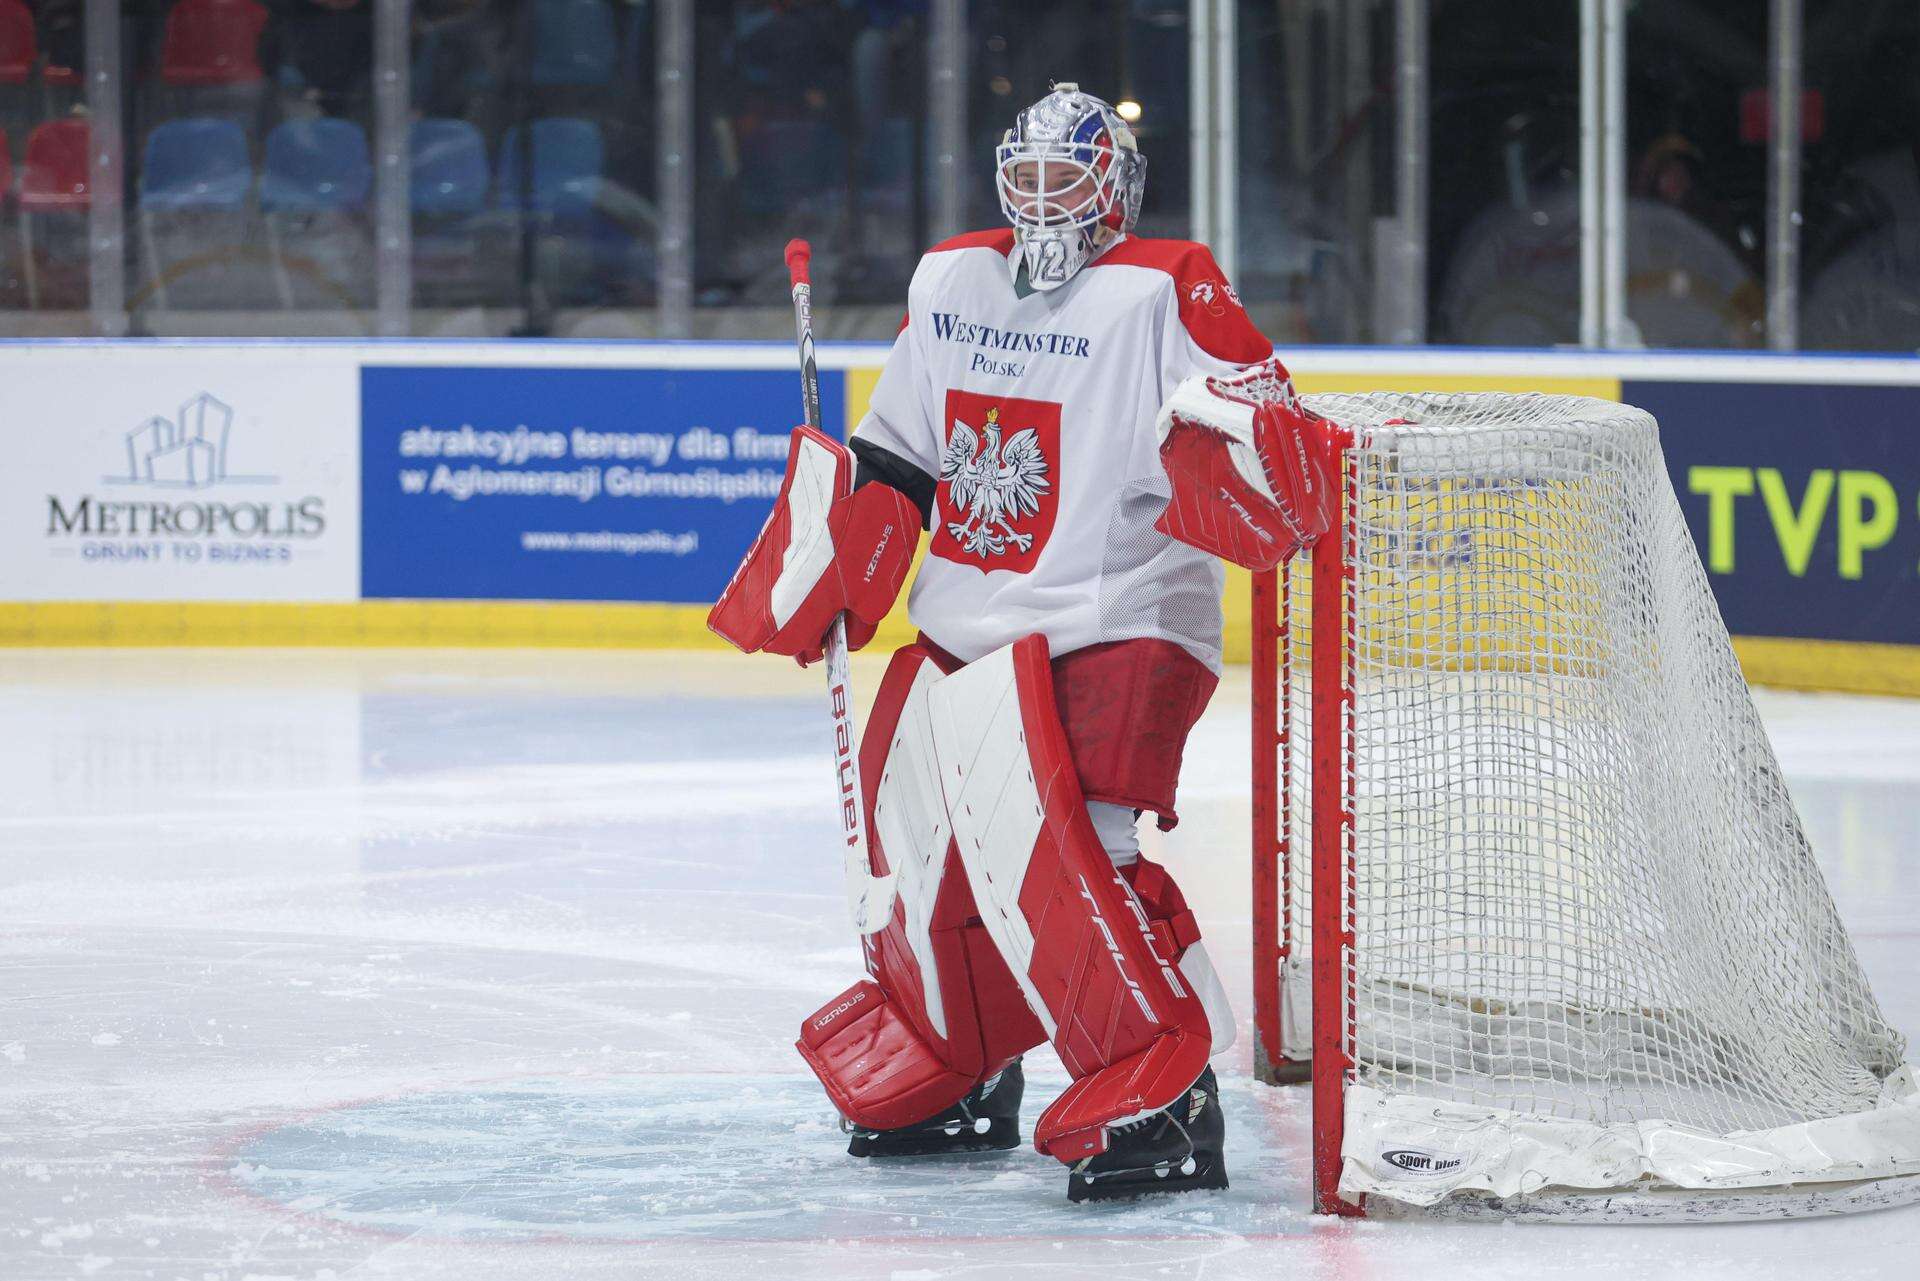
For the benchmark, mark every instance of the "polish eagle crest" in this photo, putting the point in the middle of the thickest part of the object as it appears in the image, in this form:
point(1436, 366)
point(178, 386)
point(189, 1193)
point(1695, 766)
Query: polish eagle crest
point(993, 485)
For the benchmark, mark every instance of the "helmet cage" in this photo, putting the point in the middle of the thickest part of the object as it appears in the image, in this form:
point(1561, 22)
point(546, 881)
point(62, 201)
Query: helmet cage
point(1060, 186)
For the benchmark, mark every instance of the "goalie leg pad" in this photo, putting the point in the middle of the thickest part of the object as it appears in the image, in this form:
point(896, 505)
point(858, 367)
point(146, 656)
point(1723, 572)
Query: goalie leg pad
point(1178, 933)
point(876, 1067)
point(1124, 1021)
point(1128, 707)
point(942, 1012)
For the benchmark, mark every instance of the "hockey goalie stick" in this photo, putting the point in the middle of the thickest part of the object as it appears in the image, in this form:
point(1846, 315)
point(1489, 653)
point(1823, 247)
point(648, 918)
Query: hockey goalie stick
point(869, 897)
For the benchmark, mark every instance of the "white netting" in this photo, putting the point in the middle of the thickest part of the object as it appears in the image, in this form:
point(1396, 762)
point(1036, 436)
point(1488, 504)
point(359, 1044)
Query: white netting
point(1580, 888)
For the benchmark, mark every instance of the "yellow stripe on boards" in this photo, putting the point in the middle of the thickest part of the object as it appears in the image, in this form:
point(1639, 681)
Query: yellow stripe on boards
point(1602, 388)
point(397, 622)
point(860, 385)
point(1848, 667)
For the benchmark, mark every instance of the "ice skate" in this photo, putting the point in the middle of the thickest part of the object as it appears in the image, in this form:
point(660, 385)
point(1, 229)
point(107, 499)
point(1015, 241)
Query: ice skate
point(1176, 1150)
point(986, 1120)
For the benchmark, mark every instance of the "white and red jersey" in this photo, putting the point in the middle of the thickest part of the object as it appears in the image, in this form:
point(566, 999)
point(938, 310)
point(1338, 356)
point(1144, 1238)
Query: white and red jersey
point(1036, 417)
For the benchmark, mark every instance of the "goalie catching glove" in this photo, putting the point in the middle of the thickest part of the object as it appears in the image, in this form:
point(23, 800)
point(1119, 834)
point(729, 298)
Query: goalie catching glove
point(1251, 468)
point(826, 548)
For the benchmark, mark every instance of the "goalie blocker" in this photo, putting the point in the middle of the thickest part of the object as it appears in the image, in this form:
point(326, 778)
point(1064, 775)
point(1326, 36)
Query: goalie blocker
point(826, 548)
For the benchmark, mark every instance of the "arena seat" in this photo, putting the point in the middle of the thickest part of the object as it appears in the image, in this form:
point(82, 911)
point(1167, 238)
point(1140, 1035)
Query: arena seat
point(560, 207)
point(200, 162)
point(54, 175)
point(449, 169)
point(18, 47)
point(212, 42)
point(195, 175)
point(452, 265)
point(61, 28)
point(318, 164)
point(53, 178)
point(791, 162)
point(568, 159)
point(318, 175)
point(573, 43)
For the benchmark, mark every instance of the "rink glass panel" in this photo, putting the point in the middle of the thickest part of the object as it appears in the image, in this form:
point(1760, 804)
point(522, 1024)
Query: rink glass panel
point(538, 141)
point(813, 121)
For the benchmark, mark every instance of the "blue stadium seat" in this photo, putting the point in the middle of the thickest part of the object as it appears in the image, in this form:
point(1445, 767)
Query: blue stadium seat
point(568, 157)
point(573, 42)
point(449, 167)
point(197, 163)
point(314, 166)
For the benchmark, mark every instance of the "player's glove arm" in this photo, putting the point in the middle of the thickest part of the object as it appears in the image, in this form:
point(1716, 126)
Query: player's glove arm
point(1249, 467)
point(878, 464)
point(827, 547)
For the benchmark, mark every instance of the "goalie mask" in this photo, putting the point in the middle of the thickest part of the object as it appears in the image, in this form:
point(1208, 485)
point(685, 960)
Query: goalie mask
point(1070, 178)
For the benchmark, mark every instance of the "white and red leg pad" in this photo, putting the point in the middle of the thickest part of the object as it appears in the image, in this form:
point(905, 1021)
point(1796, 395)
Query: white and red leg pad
point(826, 548)
point(1178, 934)
point(942, 1011)
point(1124, 1021)
point(876, 1066)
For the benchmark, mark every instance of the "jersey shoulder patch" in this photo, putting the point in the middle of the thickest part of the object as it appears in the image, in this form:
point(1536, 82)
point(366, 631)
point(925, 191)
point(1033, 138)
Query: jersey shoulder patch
point(1209, 308)
point(1000, 240)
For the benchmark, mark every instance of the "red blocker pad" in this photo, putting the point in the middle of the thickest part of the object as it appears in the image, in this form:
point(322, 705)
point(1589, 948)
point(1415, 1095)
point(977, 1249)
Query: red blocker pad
point(1124, 1021)
point(826, 548)
point(942, 1010)
point(1248, 466)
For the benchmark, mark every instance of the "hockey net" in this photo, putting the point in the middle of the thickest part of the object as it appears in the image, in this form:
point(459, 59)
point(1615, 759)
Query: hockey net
point(1531, 894)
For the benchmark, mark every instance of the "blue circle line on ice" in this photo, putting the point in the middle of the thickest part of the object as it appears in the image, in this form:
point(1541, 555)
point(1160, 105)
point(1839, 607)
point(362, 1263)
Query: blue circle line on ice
point(720, 1157)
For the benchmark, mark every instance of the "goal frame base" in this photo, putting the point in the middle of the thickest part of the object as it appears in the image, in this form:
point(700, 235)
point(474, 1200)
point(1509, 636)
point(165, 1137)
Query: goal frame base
point(1279, 1071)
point(1659, 1206)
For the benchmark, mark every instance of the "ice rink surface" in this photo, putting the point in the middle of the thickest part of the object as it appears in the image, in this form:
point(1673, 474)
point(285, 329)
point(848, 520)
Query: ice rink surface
point(468, 966)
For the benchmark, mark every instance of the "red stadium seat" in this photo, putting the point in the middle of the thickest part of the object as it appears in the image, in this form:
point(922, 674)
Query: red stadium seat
point(212, 42)
point(55, 173)
point(53, 178)
point(6, 168)
point(17, 45)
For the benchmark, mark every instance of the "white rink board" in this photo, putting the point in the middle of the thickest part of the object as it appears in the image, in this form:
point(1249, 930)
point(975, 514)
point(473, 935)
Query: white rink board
point(199, 473)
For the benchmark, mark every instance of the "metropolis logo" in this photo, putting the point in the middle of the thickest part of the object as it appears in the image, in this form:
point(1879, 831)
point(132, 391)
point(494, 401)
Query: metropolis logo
point(175, 465)
point(189, 452)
